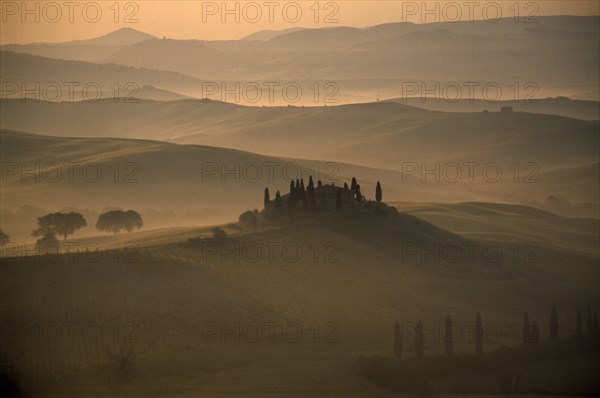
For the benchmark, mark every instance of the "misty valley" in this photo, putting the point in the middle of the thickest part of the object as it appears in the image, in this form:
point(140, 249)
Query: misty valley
point(359, 207)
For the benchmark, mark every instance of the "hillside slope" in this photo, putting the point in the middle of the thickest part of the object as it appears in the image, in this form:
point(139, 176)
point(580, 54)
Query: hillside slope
point(179, 306)
point(516, 158)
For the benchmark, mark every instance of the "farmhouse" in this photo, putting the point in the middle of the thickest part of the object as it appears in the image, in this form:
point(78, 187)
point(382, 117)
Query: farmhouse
point(325, 196)
point(310, 198)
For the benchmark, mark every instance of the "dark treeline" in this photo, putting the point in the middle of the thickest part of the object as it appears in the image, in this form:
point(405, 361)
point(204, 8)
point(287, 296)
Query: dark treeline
point(498, 371)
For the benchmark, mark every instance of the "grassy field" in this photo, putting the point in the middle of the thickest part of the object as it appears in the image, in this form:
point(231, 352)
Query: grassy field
point(283, 312)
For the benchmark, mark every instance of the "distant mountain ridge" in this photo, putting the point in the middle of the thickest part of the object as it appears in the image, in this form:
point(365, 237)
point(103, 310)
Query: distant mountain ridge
point(121, 37)
point(353, 57)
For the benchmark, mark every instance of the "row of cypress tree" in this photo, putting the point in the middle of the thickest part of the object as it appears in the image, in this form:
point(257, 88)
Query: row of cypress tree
point(531, 333)
point(304, 197)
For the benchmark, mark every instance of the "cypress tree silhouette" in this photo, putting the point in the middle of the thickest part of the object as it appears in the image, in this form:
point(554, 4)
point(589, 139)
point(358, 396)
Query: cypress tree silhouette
point(579, 325)
point(419, 341)
point(292, 199)
point(278, 202)
point(589, 327)
point(378, 194)
point(535, 333)
point(526, 329)
point(338, 199)
point(358, 194)
point(553, 324)
point(310, 195)
point(448, 338)
point(302, 185)
point(319, 183)
point(397, 341)
point(267, 200)
point(478, 335)
point(345, 185)
point(353, 185)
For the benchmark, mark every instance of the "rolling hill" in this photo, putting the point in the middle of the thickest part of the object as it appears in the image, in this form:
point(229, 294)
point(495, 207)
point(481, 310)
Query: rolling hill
point(60, 80)
point(199, 185)
point(95, 49)
point(180, 308)
point(559, 106)
point(514, 158)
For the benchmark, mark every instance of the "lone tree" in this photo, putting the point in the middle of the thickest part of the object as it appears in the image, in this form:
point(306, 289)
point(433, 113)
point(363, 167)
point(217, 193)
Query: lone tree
point(61, 224)
point(267, 201)
point(478, 335)
point(448, 338)
point(378, 192)
point(116, 220)
point(119, 367)
point(419, 341)
point(553, 324)
point(526, 329)
point(4, 239)
point(397, 341)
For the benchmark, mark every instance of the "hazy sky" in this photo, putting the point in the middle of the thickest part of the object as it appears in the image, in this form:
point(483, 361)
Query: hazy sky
point(48, 21)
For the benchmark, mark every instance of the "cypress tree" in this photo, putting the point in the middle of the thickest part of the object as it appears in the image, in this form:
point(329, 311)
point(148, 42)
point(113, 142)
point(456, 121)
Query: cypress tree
point(353, 184)
point(378, 194)
point(358, 194)
point(319, 183)
point(579, 325)
point(397, 341)
point(292, 199)
point(345, 185)
point(448, 338)
point(419, 341)
point(302, 185)
point(311, 185)
point(553, 324)
point(478, 335)
point(278, 202)
point(526, 329)
point(310, 194)
point(267, 200)
point(535, 333)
